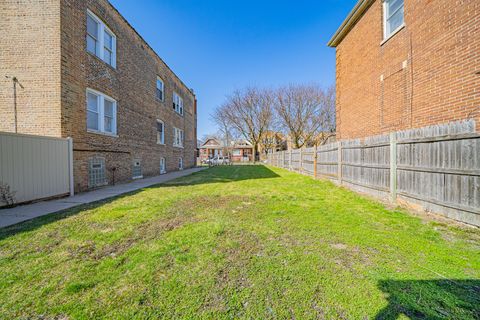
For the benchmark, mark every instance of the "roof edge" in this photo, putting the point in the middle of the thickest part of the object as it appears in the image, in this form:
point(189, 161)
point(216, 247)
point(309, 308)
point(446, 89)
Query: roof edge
point(150, 47)
point(347, 25)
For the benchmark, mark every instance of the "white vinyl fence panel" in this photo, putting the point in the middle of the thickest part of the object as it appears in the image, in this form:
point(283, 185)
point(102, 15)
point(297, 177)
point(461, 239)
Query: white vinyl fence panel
point(35, 167)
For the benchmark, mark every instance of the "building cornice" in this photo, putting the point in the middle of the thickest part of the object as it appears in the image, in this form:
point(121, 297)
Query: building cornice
point(349, 22)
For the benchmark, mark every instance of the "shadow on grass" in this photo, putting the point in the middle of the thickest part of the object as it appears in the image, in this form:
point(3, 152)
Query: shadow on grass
point(220, 174)
point(224, 174)
point(431, 299)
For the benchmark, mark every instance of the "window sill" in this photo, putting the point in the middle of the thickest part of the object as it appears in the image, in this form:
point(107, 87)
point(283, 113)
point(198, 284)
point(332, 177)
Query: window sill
point(161, 144)
point(102, 133)
point(136, 178)
point(180, 147)
point(392, 34)
point(100, 59)
point(178, 113)
point(159, 100)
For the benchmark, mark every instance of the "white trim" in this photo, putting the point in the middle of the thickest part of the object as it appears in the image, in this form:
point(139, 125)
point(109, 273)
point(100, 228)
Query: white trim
point(164, 169)
point(176, 132)
point(162, 141)
point(102, 28)
point(180, 163)
point(70, 167)
point(385, 18)
point(178, 102)
point(101, 97)
point(392, 34)
point(163, 89)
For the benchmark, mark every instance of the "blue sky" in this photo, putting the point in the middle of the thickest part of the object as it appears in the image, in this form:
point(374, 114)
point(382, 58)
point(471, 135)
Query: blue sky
point(217, 46)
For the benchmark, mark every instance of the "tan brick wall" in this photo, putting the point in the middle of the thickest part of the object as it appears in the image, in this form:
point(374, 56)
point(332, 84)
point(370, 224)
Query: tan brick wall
point(45, 47)
point(133, 85)
point(440, 45)
point(30, 51)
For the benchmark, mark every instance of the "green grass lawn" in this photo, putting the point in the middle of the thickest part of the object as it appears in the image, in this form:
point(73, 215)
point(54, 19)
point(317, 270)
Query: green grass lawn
point(248, 242)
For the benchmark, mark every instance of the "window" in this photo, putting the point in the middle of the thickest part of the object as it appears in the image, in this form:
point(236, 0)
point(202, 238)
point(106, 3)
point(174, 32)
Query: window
point(236, 152)
point(96, 172)
point(177, 137)
point(160, 89)
point(160, 132)
point(101, 41)
point(392, 17)
point(101, 113)
point(180, 164)
point(177, 103)
point(163, 168)
point(137, 170)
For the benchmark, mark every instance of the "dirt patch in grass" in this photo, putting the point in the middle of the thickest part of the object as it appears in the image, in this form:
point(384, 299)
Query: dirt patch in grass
point(145, 232)
point(238, 249)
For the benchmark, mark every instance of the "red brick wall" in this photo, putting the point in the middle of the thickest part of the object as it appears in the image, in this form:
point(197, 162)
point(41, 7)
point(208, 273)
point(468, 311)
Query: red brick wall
point(423, 75)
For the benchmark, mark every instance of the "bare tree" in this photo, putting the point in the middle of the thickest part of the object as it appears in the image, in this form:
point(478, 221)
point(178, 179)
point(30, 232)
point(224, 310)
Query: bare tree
point(306, 113)
point(248, 112)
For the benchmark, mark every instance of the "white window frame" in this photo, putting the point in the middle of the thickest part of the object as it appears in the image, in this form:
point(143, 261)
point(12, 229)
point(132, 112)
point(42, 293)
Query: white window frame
point(178, 137)
point(163, 165)
point(161, 140)
point(101, 97)
point(100, 48)
point(386, 16)
point(159, 80)
point(180, 163)
point(178, 103)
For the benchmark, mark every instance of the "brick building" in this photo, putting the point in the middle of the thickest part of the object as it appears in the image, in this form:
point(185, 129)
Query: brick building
point(238, 151)
point(407, 64)
point(87, 74)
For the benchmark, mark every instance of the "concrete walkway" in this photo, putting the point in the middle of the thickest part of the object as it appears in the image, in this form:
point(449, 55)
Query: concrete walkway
point(21, 213)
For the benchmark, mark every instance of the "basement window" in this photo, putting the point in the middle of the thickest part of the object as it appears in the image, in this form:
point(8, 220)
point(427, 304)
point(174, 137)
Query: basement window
point(180, 164)
point(393, 17)
point(163, 167)
point(96, 172)
point(137, 169)
point(101, 41)
point(160, 132)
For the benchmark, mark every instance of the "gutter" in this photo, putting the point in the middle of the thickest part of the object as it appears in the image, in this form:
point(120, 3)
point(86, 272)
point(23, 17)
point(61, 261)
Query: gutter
point(349, 22)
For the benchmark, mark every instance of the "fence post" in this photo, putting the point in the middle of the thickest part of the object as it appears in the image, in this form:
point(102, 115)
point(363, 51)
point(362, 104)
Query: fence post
point(70, 166)
point(301, 160)
point(290, 161)
point(339, 160)
point(393, 167)
point(315, 162)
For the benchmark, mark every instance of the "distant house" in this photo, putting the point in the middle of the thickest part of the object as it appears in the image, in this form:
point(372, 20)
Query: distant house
point(238, 151)
point(406, 64)
point(272, 141)
point(212, 147)
point(242, 151)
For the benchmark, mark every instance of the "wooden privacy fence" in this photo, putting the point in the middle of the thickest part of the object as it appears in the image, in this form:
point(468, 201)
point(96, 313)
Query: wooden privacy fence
point(35, 167)
point(435, 168)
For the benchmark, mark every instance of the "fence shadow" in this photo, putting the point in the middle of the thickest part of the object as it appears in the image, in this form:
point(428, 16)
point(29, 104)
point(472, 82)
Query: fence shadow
point(431, 299)
point(221, 174)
